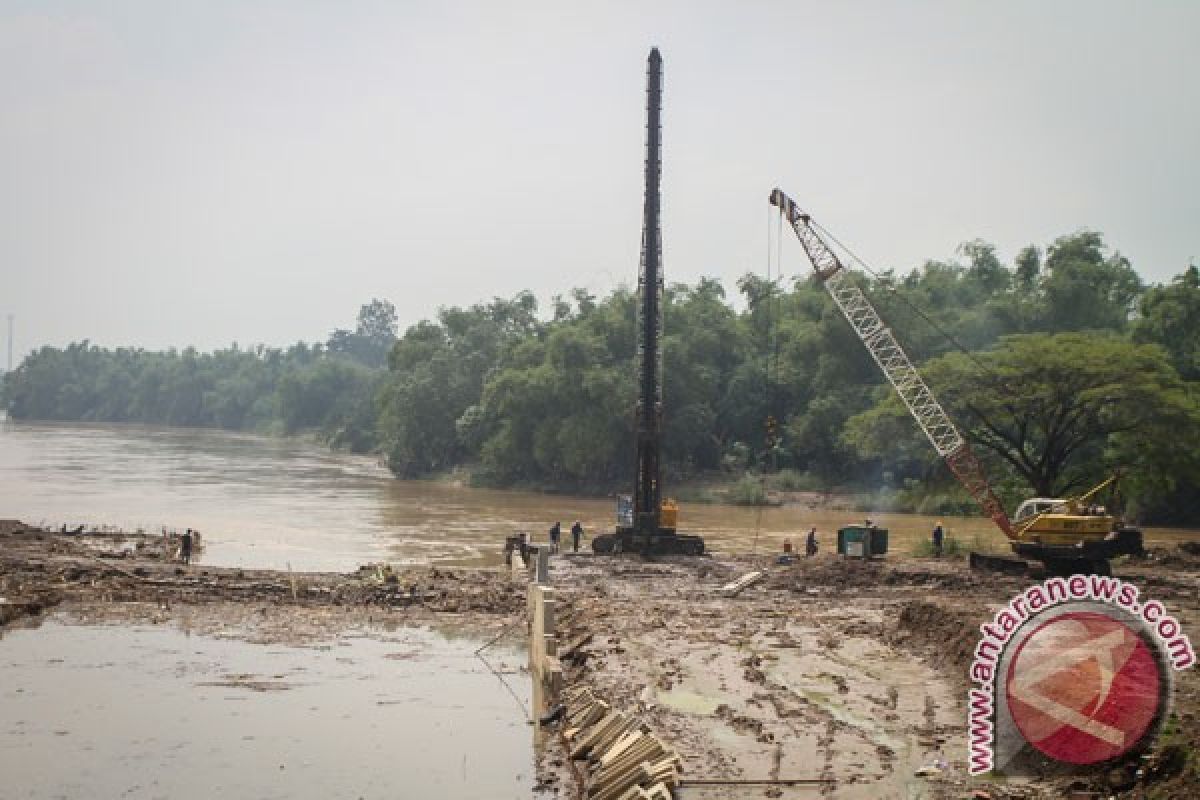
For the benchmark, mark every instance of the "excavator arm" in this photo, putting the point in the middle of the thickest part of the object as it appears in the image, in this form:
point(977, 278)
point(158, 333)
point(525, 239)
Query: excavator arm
point(894, 363)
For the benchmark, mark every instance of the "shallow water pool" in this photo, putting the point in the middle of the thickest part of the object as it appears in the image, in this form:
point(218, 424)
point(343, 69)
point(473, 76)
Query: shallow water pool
point(151, 711)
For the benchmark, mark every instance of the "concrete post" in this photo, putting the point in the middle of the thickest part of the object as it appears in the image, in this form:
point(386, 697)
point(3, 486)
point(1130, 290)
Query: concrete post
point(543, 646)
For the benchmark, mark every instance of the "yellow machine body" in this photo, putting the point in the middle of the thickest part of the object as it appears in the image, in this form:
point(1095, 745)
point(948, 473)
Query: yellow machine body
point(668, 514)
point(1064, 521)
point(1067, 528)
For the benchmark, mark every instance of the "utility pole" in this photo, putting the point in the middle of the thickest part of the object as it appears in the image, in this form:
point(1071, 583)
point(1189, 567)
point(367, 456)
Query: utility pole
point(10, 326)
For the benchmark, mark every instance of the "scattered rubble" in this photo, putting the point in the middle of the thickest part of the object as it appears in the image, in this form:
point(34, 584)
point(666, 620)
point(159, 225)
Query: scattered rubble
point(108, 575)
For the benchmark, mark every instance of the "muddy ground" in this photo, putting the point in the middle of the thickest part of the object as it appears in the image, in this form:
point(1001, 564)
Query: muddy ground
point(848, 673)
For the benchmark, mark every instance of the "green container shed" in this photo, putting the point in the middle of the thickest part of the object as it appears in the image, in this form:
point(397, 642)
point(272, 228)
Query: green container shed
point(860, 541)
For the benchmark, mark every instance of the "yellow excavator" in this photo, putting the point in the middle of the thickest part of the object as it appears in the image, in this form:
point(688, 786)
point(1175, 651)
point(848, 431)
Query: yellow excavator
point(1068, 535)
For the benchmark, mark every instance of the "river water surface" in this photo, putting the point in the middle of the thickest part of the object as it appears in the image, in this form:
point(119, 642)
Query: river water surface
point(153, 712)
point(269, 502)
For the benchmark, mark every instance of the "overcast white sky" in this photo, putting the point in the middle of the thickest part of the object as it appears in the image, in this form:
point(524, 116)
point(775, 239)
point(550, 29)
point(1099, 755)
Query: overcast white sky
point(205, 172)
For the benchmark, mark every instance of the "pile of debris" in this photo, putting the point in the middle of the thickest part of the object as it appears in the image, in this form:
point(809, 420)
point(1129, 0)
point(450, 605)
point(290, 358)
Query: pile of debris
point(41, 568)
point(625, 761)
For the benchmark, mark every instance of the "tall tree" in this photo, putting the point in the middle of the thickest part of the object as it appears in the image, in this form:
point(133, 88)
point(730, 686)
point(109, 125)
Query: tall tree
point(1051, 407)
point(1170, 317)
point(372, 339)
point(1084, 289)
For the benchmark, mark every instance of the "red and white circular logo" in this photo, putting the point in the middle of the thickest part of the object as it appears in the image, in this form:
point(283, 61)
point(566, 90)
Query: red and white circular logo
point(1084, 687)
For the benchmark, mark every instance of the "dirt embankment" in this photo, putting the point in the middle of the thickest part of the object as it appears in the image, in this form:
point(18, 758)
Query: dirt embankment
point(109, 575)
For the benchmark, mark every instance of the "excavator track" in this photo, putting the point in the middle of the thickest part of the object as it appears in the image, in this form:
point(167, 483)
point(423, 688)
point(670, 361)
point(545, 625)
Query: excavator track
point(679, 544)
point(1089, 558)
point(988, 562)
point(1061, 567)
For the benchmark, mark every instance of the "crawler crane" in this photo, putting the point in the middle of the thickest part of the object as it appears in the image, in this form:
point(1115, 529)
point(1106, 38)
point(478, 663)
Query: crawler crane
point(1067, 535)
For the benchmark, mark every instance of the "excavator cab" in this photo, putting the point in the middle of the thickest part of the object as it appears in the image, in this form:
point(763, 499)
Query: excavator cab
point(1037, 505)
point(624, 511)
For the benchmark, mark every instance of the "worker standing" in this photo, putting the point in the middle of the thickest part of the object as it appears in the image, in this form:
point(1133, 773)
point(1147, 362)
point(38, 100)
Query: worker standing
point(555, 536)
point(938, 538)
point(576, 535)
point(185, 547)
point(810, 543)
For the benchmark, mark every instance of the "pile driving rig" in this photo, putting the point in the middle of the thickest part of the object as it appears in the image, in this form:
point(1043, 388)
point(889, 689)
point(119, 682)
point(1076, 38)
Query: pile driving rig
point(646, 522)
point(1067, 535)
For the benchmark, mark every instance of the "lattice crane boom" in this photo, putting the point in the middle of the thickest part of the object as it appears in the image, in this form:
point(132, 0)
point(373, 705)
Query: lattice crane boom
point(894, 363)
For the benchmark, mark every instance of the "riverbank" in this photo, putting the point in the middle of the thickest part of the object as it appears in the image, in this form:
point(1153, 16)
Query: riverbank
point(124, 674)
point(114, 573)
point(850, 674)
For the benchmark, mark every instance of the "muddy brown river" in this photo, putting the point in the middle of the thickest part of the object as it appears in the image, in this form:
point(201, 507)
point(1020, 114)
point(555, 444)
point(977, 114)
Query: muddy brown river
point(269, 502)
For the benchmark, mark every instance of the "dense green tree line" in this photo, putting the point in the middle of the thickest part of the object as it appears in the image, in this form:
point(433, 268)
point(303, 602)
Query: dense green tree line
point(330, 388)
point(1059, 367)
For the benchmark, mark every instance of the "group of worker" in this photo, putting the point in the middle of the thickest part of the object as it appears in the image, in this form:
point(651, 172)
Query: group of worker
point(810, 546)
point(520, 543)
point(810, 541)
point(556, 536)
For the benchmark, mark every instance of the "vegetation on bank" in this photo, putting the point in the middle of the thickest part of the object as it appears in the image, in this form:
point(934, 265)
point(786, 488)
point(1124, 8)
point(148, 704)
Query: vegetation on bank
point(1073, 368)
point(952, 547)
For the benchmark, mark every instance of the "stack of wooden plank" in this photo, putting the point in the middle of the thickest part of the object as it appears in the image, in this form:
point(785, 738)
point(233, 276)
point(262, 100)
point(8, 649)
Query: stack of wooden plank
point(734, 588)
point(625, 760)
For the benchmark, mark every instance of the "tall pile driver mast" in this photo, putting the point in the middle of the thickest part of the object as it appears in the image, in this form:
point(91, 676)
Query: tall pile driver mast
point(894, 363)
point(647, 496)
point(645, 524)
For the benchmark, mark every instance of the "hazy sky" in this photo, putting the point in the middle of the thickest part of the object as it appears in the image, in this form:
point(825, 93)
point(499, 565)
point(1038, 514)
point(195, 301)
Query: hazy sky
point(204, 172)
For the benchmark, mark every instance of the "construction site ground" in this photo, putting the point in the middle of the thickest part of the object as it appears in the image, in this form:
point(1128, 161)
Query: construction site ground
point(850, 675)
point(845, 672)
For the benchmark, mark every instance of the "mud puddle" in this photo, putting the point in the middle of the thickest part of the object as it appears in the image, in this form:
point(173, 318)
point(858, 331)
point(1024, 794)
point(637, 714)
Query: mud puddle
point(151, 711)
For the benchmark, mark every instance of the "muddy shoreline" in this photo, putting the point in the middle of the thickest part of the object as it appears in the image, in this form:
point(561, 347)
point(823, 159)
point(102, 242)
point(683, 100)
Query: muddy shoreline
point(845, 672)
point(40, 570)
